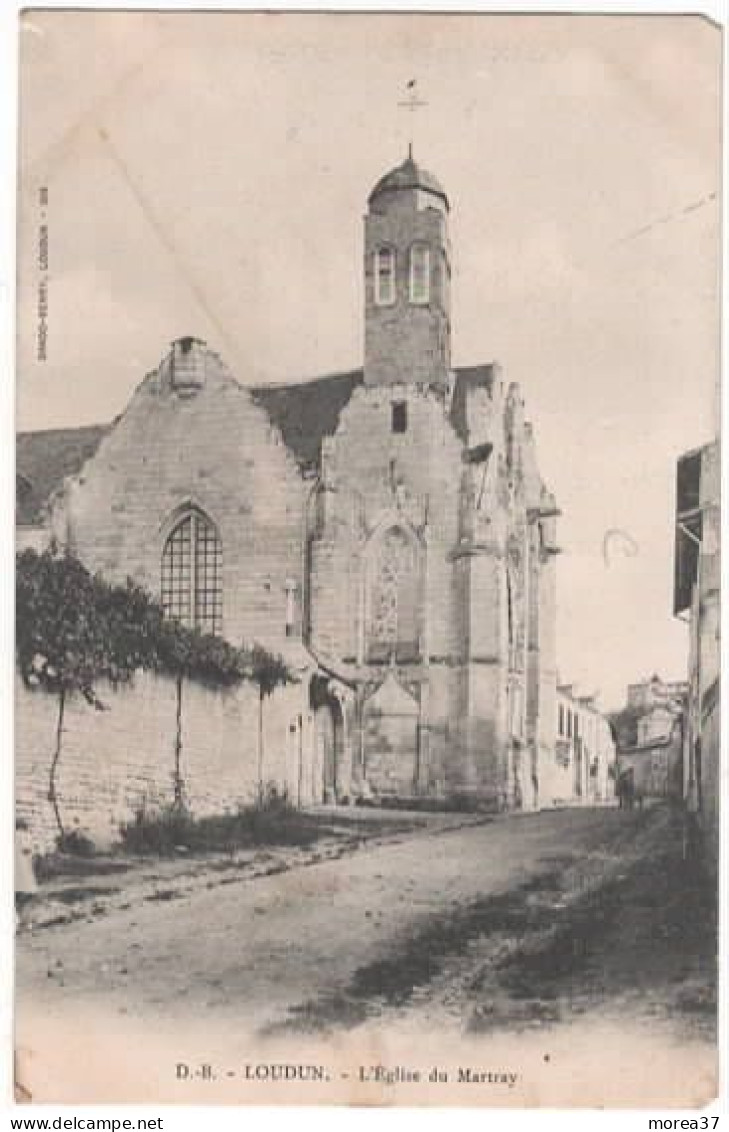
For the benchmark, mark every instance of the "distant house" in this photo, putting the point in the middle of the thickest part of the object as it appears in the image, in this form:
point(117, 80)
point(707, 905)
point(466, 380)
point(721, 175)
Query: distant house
point(649, 737)
point(583, 770)
point(655, 762)
point(655, 692)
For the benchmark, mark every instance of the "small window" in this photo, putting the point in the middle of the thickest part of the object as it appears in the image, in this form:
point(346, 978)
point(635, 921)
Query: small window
point(384, 277)
point(399, 416)
point(290, 609)
point(419, 273)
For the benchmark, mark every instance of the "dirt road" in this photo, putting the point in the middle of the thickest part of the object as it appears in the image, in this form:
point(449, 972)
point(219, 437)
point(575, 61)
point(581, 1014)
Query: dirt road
point(516, 926)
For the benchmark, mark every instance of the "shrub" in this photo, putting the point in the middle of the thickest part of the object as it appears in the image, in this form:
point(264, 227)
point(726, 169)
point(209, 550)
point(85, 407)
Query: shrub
point(75, 843)
point(158, 832)
point(273, 799)
point(272, 820)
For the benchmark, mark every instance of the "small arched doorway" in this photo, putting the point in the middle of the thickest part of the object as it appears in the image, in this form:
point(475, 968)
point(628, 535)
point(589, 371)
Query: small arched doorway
point(328, 742)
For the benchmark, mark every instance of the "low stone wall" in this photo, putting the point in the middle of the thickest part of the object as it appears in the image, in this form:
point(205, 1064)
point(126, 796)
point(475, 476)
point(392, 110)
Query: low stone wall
point(119, 759)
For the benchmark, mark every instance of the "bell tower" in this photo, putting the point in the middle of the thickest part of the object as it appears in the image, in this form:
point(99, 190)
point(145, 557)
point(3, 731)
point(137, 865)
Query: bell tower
point(407, 280)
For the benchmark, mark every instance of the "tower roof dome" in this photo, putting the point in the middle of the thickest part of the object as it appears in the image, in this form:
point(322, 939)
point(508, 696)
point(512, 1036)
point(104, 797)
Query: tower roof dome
point(409, 175)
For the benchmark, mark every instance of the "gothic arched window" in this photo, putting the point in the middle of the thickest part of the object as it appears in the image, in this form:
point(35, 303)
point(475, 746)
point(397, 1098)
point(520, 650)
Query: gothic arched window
point(394, 599)
point(192, 583)
point(384, 277)
point(420, 273)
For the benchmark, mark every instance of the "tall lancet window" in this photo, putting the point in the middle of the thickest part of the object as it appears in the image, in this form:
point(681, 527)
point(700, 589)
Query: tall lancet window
point(192, 582)
point(420, 273)
point(394, 599)
point(384, 277)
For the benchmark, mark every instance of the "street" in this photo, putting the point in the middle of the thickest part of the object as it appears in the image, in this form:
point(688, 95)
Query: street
point(500, 932)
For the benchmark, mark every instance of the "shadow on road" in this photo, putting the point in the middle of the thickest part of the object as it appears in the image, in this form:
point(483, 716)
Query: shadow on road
point(628, 929)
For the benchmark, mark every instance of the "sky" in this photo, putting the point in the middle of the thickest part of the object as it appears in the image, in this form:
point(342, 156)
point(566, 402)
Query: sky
point(207, 174)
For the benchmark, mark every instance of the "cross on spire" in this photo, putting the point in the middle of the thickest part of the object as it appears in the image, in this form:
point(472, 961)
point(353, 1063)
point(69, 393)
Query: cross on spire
point(411, 102)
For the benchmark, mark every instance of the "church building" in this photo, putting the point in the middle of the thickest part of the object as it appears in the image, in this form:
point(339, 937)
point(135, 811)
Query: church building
point(387, 531)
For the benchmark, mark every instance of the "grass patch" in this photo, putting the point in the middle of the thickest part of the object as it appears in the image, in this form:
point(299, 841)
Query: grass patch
point(417, 803)
point(272, 821)
point(55, 866)
point(77, 894)
point(165, 894)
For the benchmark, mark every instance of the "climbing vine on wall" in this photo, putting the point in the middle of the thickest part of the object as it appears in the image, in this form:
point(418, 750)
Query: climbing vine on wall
point(75, 630)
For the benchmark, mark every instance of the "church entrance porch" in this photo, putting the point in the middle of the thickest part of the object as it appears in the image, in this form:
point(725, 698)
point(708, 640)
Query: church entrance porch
point(390, 740)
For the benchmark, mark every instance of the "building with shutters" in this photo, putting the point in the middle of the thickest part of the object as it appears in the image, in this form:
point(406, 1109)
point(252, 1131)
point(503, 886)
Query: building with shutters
point(583, 771)
point(697, 594)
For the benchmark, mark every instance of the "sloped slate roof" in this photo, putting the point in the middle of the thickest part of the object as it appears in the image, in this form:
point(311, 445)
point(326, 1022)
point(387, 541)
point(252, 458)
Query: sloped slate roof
point(304, 412)
point(468, 378)
point(44, 459)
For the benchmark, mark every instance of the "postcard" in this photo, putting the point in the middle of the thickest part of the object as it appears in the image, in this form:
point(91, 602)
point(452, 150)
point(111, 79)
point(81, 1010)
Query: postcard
point(368, 558)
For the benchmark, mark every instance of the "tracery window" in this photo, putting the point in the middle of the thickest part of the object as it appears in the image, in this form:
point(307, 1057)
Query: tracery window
point(394, 599)
point(192, 584)
point(384, 277)
point(419, 273)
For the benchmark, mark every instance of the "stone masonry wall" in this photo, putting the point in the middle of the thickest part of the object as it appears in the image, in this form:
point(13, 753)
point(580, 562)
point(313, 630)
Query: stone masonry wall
point(405, 341)
point(204, 444)
point(376, 476)
point(119, 759)
point(214, 450)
